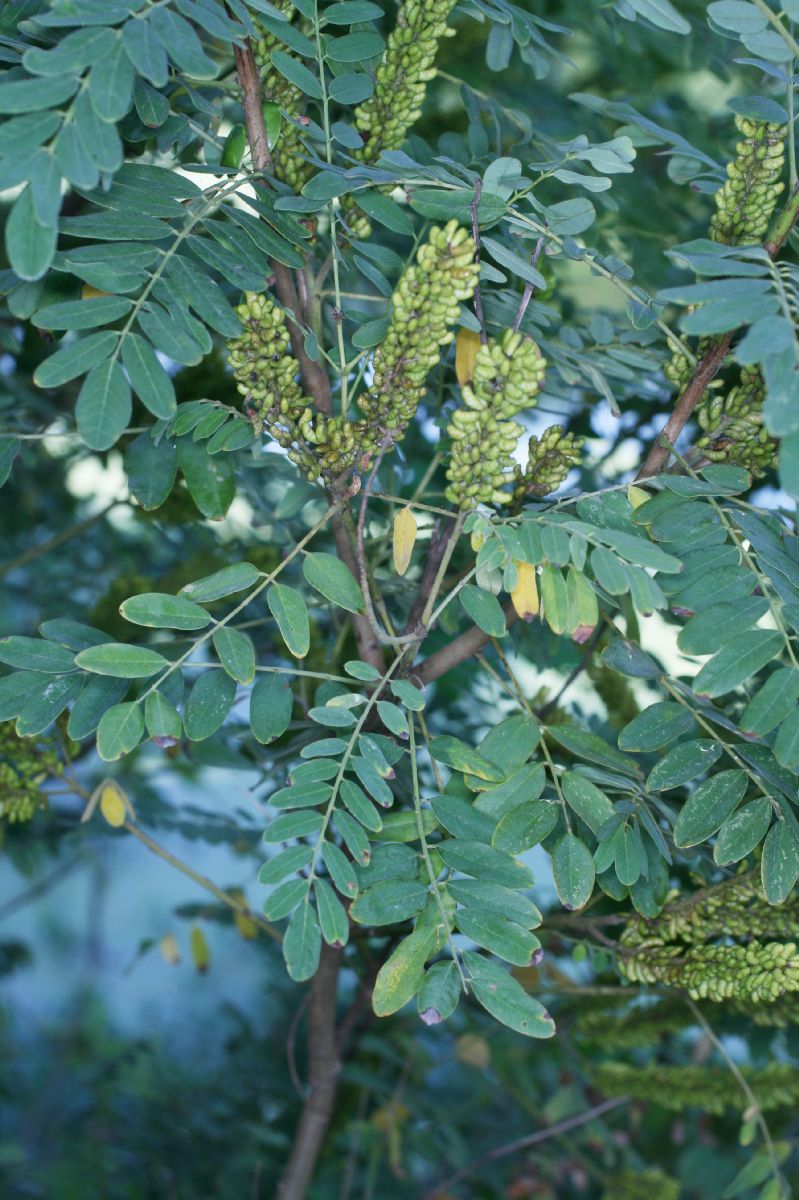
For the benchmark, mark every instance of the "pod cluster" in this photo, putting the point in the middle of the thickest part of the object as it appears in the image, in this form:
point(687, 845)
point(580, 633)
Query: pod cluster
point(745, 203)
point(506, 378)
point(733, 429)
point(24, 766)
point(673, 948)
point(635, 1028)
point(641, 1185)
point(550, 457)
point(426, 304)
point(733, 424)
point(287, 156)
point(402, 76)
point(698, 1086)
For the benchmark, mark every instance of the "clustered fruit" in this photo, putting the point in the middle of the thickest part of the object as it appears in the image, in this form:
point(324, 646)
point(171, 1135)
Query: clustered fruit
point(24, 766)
point(426, 303)
point(401, 78)
point(745, 203)
point(698, 1085)
point(287, 156)
point(673, 948)
point(549, 460)
point(507, 376)
point(733, 425)
point(636, 1027)
point(641, 1185)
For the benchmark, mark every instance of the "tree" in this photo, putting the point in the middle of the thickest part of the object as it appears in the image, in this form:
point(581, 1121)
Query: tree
point(311, 286)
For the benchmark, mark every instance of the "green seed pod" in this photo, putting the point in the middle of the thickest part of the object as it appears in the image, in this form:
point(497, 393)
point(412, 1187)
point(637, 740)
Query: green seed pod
point(698, 1086)
point(25, 764)
point(401, 78)
point(745, 203)
point(235, 145)
point(733, 429)
point(426, 303)
point(550, 458)
point(506, 378)
point(641, 1185)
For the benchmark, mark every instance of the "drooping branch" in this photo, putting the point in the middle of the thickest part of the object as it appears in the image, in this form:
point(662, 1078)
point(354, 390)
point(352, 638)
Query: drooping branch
point(709, 366)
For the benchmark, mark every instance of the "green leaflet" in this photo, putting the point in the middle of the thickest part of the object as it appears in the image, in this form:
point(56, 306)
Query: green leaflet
point(573, 871)
point(735, 663)
point(706, 810)
point(331, 577)
point(502, 996)
point(402, 974)
point(288, 608)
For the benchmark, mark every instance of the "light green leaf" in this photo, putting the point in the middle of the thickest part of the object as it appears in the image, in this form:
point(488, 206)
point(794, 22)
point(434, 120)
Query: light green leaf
point(331, 577)
point(302, 943)
point(708, 808)
point(210, 479)
point(332, 914)
point(780, 863)
point(209, 702)
point(402, 974)
point(121, 661)
point(439, 994)
point(655, 727)
point(149, 380)
point(505, 998)
point(586, 800)
point(35, 654)
point(573, 871)
point(162, 718)
point(270, 708)
point(288, 608)
point(120, 730)
point(499, 936)
point(485, 863)
point(484, 609)
point(737, 662)
point(235, 578)
point(160, 610)
point(29, 244)
point(456, 754)
point(682, 764)
point(236, 653)
point(390, 901)
point(525, 826)
point(104, 405)
point(742, 831)
point(42, 707)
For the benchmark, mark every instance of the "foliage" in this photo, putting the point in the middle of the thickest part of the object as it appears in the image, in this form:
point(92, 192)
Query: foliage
point(305, 291)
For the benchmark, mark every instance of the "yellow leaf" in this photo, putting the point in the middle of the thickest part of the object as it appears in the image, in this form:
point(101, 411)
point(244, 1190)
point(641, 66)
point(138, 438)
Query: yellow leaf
point(199, 950)
point(242, 920)
point(170, 950)
point(474, 1050)
point(525, 594)
point(637, 496)
point(404, 539)
point(467, 344)
point(112, 804)
point(87, 292)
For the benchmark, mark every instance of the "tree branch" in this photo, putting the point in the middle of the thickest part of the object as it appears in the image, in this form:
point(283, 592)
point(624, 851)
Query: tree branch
point(457, 651)
point(532, 1139)
point(708, 366)
point(324, 1070)
point(314, 378)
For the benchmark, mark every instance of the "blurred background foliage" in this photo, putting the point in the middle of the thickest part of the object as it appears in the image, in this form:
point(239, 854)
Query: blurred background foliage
point(133, 1068)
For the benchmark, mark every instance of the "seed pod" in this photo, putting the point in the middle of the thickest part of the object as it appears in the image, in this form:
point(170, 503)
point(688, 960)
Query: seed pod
point(235, 145)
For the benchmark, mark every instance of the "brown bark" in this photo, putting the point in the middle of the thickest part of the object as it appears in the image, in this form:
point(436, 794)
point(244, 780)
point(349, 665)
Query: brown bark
point(324, 1069)
point(457, 651)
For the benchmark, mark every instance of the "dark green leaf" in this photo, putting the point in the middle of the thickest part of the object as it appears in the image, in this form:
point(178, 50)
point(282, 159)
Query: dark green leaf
point(288, 608)
point(331, 577)
point(208, 704)
point(708, 808)
point(573, 871)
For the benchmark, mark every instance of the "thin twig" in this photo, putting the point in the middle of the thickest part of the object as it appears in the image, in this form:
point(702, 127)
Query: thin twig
point(524, 1143)
point(478, 300)
point(529, 288)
